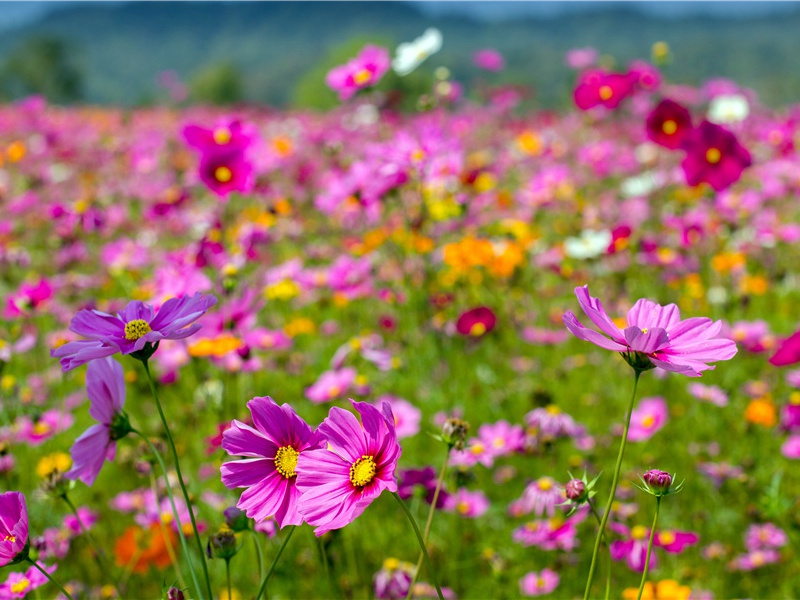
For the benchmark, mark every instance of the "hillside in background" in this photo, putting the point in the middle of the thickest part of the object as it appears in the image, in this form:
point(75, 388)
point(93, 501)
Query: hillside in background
point(119, 49)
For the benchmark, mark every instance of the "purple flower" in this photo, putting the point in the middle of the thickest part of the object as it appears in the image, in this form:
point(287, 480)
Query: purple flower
point(272, 447)
point(764, 537)
point(365, 70)
point(410, 479)
point(337, 483)
point(105, 386)
point(537, 584)
point(655, 336)
point(19, 584)
point(713, 156)
point(130, 330)
point(647, 418)
point(467, 504)
point(13, 526)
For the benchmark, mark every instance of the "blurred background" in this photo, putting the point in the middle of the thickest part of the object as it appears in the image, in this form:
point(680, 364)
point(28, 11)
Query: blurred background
point(277, 53)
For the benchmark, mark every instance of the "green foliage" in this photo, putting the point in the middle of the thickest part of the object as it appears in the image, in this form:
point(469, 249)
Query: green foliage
point(42, 65)
point(220, 84)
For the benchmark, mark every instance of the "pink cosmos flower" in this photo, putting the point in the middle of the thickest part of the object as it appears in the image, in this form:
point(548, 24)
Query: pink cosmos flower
point(467, 504)
point(19, 584)
point(476, 322)
point(364, 71)
point(788, 353)
point(549, 424)
point(713, 156)
point(393, 580)
point(655, 336)
point(634, 548)
point(540, 497)
point(127, 332)
point(551, 534)
point(105, 386)
point(407, 417)
point(489, 60)
point(338, 482)
point(27, 298)
point(37, 431)
point(762, 537)
point(87, 519)
point(754, 560)
point(647, 418)
point(537, 584)
point(226, 134)
point(501, 438)
point(273, 447)
point(331, 385)
point(668, 124)
point(710, 393)
point(412, 479)
point(13, 526)
point(597, 87)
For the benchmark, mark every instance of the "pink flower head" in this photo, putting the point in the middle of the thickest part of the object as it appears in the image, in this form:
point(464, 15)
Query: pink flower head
point(644, 76)
point(338, 482)
point(272, 447)
point(581, 58)
point(476, 322)
point(709, 393)
point(597, 87)
point(27, 298)
point(788, 353)
point(655, 335)
point(331, 385)
point(467, 504)
point(13, 526)
point(105, 386)
point(364, 71)
point(762, 537)
point(37, 431)
point(227, 134)
point(425, 479)
point(87, 519)
point(713, 156)
point(127, 332)
point(540, 497)
point(649, 416)
point(791, 447)
point(407, 417)
point(227, 171)
point(489, 60)
point(393, 580)
point(634, 548)
point(501, 438)
point(674, 541)
point(551, 534)
point(669, 124)
point(19, 584)
point(538, 584)
point(754, 560)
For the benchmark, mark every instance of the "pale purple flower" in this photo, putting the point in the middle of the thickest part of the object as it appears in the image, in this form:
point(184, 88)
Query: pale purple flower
point(501, 438)
point(647, 418)
point(393, 580)
point(471, 504)
point(754, 560)
point(791, 447)
point(331, 385)
point(407, 417)
point(540, 497)
point(710, 393)
point(655, 335)
point(765, 536)
point(131, 329)
point(537, 584)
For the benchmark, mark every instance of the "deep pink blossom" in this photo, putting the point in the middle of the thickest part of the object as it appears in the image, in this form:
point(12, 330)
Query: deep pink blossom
point(19, 584)
point(13, 526)
point(597, 87)
point(647, 418)
point(489, 60)
point(338, 482)
point(668, 124)
point(656, 334)
point(363, 71)
point(713, 156)
point(537, 584)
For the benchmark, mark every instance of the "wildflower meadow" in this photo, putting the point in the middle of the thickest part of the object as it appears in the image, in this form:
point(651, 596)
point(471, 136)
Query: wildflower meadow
point(450, 347)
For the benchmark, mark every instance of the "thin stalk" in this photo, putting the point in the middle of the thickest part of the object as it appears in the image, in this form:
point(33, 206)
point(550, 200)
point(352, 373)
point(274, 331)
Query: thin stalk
point(438, 489)
point(259, 553)
point(53, 581)
point(324, 556)
point(180, 478)
point(608, 562)
point(421, 544)
point(614, 483)
point(98, 554)
point(649, 549)
point(228, 573)
point(275, 562)
point(175, 513)
point(170, 550)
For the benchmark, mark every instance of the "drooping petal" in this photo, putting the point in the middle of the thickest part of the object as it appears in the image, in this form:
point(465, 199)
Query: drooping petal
point(589, 335)
point(597, 314)
point(105, 386)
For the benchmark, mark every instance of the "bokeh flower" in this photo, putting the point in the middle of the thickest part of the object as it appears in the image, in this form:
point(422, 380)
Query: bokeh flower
point(13, 527)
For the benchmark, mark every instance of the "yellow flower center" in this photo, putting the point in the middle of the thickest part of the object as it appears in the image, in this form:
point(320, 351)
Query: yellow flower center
point(477, 448)
point(606, 92)
point(713, 155)
point(545, 484)
point(463, 507)
point(334, 391)
point(649, 421)
point(363, 471)
point(666, 537)
point(553, 409)
point(223, 174)
point(41, 428)
point(286, 461)
point(669, 127)
point(639, 532)
point(645, 330)
point(758, 559)
point(391, 564)
point(477, 329)
point(222, 135)
point(21, 586)
point(10, 538)
point(136, 329)
point(363, 76)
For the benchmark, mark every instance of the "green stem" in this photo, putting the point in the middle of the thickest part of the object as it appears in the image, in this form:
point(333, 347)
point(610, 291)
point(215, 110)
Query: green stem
point(649, 549)
point(98, 554)
point(175, 513)
point(180, 478)
point(323, 554)
point(228, 573)
point(614, 483)
point(436, 492)
point(259, 553)
point(421, 544)
point(608, 562)
point(53, 581)
point(275, 562)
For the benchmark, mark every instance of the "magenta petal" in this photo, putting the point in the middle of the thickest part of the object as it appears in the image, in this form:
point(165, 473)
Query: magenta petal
point(594, 310)
point(646, 314)
point(648, 342)
point(105, 386)
point(242, 440)
point(246, 472)
point(582, 333)
point(88, 454)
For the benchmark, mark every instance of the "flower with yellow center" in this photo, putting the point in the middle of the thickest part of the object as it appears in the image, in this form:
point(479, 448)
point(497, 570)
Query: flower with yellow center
point(222, 135)
point(640, 532)
point(135, 329)
point(669, 127)
point(21, 586)
point(362, 472)
point(223, 174)
point(286, 461)
point(713, 155)
point(362, 77)
point(51, 463)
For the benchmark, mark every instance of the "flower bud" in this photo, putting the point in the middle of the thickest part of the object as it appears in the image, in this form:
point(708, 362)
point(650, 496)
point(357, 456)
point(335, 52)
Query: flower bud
point(575, 490)
point(454, 433)
point(236, 519)
point(174, 593)
point(658, 480)
point(222, 544)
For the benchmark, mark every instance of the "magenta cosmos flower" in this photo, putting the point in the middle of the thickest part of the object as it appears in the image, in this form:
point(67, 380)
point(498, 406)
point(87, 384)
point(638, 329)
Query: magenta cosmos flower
point(537, 584)
point(476, 322)
point(225, 171)
point(105, 386)
point(338, 482)
point(669, 124)
point(655, 336)
point(364, 71)
point(13, 527)
point(713, 156)
point(272, 448)
point(127, 332)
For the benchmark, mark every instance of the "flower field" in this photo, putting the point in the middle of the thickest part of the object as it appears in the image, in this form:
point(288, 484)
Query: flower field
point(527, 326)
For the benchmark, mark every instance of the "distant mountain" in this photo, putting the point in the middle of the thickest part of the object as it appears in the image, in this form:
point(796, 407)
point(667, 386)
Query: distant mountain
point(120, 48)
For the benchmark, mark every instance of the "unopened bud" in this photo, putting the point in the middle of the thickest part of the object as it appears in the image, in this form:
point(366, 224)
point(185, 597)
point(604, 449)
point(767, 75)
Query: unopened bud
point(222, 544)
point(455, 432)
point(575, 490)
point(236, 519)
point(174, 593)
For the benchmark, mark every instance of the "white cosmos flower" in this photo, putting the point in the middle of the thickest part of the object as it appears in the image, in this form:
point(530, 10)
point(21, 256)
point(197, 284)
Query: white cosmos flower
point(588, 245)
point(642, 184)
point(410, 55)
point(731, 108)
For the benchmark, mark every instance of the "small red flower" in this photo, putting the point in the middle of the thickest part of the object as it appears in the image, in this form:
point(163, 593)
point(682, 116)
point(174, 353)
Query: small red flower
point(669, 124)
point(596, 87)
point(714, 156)
point(476, 322)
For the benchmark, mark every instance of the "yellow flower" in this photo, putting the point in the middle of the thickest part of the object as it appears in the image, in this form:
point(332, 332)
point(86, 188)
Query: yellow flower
point(761, 411)
point(666, 589)
point(217, 347)
point(59, 461)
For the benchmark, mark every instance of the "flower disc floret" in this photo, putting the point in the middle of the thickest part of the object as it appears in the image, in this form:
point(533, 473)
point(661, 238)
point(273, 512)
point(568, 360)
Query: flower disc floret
point(363, 471)
point(286, 461)
point(136, 329)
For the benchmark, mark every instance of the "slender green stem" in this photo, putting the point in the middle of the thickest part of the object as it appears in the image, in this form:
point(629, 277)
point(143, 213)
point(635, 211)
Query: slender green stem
point(275, 562)
point(99, 556)
point(323, 554)
point(180, 478)
point(259, 553)
point(436, 492)
point(649, 549)
point(421, 544)
point(608, 562)
point(53, 581)
point(228, 573)
point(175, 512)
point(167, 543)
point(614, 483)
